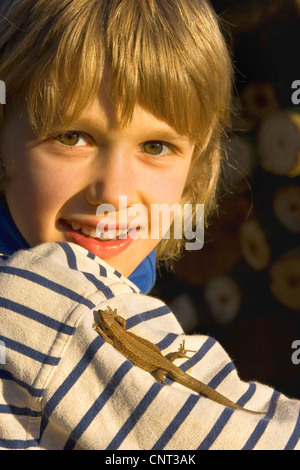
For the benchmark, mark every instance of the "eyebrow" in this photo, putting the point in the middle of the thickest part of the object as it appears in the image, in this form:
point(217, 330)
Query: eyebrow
point(165, 135)
point(160, 131)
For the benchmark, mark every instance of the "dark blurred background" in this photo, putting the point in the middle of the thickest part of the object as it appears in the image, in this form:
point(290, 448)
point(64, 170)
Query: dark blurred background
point(243, 286)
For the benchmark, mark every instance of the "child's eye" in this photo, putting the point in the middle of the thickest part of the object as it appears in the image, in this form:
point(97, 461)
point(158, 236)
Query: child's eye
point(72, 139)
point(156, 148)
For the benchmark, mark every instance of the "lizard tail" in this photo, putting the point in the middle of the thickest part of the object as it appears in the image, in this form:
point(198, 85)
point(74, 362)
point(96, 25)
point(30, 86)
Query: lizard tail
point(208, 392)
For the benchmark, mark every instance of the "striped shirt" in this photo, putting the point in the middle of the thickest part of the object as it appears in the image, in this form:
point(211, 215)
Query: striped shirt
point(64, 387)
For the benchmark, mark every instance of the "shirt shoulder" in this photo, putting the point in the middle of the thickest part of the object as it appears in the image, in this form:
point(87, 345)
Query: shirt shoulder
point(45, 293)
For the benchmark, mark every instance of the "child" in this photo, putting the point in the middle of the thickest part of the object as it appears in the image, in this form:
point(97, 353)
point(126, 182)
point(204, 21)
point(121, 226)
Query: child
point(111, 106)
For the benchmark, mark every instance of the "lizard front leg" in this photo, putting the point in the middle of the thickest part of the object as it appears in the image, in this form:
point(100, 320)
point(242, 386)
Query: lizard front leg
point(102, 333)
point(119, 319)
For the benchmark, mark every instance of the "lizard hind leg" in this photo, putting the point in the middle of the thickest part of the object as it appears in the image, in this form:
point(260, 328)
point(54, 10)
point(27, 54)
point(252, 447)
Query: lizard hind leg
point(180, 354)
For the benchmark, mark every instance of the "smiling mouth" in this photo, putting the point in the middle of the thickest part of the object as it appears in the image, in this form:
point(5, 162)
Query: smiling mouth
point(109, 244)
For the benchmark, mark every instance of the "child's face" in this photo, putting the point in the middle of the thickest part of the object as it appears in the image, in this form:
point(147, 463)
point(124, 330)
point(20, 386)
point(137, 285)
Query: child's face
point(57, 184)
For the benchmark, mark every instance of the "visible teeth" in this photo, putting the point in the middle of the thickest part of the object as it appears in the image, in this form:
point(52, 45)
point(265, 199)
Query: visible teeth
point(123, 233)
point(102, 235)
point(108, 235)
point(112, 234)
point(90, 232)
point(93, 233)
point(75, 226)
point(86, 230)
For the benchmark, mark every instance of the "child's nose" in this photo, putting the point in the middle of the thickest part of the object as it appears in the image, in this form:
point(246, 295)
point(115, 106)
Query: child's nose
point(113, 177)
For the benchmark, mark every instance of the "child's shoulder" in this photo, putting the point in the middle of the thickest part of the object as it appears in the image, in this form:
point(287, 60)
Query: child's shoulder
point(45, 292)
point(64, 269)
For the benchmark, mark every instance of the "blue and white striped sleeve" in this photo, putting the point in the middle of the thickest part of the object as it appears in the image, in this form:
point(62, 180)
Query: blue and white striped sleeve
point(64, 387)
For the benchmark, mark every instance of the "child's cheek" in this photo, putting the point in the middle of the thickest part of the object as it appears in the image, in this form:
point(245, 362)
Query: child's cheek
point(171, 188)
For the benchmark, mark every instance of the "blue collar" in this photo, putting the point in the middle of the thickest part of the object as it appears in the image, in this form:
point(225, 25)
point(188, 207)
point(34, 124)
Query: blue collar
point(11, 240)
point(144, 276)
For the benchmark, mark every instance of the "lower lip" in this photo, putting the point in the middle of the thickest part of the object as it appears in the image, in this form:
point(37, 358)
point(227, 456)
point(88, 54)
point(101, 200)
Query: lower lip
point(100, 248)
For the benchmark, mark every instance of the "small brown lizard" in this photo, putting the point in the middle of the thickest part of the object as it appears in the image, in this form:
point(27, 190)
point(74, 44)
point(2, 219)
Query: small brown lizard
point(148, 356)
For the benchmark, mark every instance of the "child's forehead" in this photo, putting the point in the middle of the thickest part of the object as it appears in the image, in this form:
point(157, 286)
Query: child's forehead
point(108, 110)
point(102, 116)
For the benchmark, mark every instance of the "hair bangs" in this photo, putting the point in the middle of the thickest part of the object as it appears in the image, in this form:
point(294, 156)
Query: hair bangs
point(72, 63)
point(165, 66)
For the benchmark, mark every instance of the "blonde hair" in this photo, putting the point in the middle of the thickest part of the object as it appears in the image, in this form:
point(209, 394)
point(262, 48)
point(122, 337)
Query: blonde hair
point(168, 55)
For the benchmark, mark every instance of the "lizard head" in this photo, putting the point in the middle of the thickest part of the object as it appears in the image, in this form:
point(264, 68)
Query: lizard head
point(106, 318)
